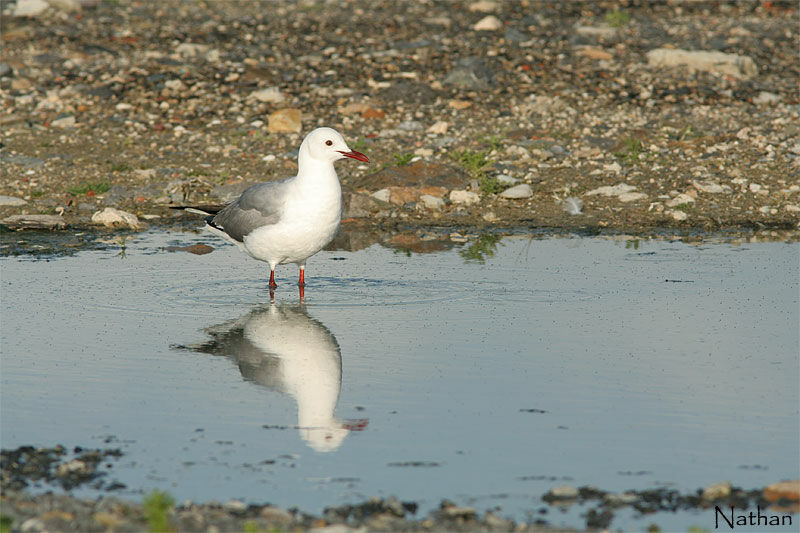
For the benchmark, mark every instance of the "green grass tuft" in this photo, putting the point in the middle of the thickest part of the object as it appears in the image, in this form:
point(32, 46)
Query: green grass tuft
point(402, 159)
point(157, 505)
point(618, 18)
point(632, 151)
point(99, 188)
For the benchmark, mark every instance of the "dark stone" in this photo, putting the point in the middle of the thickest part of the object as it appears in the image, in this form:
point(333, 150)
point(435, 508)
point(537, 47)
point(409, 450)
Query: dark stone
point(409, 91)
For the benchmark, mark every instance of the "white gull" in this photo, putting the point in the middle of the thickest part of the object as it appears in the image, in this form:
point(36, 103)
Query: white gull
point(289, 221)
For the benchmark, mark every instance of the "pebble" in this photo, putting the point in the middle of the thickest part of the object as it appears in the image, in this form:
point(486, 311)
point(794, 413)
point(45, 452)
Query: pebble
point(30, 8)
point(680, 199)
point(10, 201)
point(631, 196)
point(563, 492)
point(523, 190)
point(766, 98)
point(191, 49)
point(411, 125)
point(287, 120)
point(470, 73)
point(382, 195)
point(483, 6)
point(783, 490)
point(731, 64)
point(111, 216)
point(35, 221)
point(431, 202)
point(464, 197)
point(489, 23)
point(66, 121)
point(710, 187)
point(271, 95)
point(717, 491)
point(677, 215)
point(505, 179)
point(438, 128)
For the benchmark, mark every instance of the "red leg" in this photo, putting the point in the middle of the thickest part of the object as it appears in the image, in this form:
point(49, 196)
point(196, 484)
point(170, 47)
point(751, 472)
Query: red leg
point(272, 283)
point(302, 281)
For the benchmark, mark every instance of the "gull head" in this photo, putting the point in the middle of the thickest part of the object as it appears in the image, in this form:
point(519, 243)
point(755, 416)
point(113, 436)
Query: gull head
point(327, 144)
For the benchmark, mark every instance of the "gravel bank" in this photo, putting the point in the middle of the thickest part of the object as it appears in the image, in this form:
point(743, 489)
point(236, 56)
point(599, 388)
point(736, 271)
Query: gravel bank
point(483, 114)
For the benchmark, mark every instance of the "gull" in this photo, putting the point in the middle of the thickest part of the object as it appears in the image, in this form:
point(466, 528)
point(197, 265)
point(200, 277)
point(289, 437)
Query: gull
point(289, 221)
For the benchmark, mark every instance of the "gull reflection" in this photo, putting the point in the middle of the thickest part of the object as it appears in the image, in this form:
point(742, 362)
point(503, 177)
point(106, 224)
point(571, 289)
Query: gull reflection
point(283, 348)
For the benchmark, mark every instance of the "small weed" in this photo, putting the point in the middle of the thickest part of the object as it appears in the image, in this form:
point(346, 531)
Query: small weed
point(402, 159)
point(632, 151)
point(489, 185)
point(618, 18)
point(494, 141)
point(633, 243)
point(684, 207)
point(687, 132)
point(99, 188)
point(123, 242)
point(197, 173)
point(45, 144)
point(403, 251)
point(120, 167)
point(157, 505)
point(37, 194)
point(484, 246)
point(473, 162)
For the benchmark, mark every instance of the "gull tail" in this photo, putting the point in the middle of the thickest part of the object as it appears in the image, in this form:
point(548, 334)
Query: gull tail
point(204, 209)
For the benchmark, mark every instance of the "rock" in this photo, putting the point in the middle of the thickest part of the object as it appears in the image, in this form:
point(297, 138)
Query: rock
point(490, 23)
point(287, 120)
point(63, 121)
point(464, 197)
point(410, 125)
point(470, 73)
point(573, 206)
point(620, 499)
point(710, 186)
point(382, 195)
point(196, 249)
point(5, 70)
point(11, 201)
point(403, 195)
point(483, 6)
point(523, 190)
point(145, 173)
point(271, 95)
point(431, 202)
point(111, 217)
point(731, 64)
point(717, 491)
point(766, 98)
point(175, 85)
point(361, 206)
point(462, 513)
point(596, 53)
point(513, 35)
point(783, 490)
point(191, 49)
point(354, 108)
point(603, 31)
point(680, 199)
point(35, 222)
point(562, 492)
point(67, 6)
point(612, 190)
point(30, 8)
point(631, 196)
point(677, 215)
point(416, 92)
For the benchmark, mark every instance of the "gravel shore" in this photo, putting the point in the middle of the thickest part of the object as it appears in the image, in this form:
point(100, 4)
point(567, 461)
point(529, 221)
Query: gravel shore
point(483, 114)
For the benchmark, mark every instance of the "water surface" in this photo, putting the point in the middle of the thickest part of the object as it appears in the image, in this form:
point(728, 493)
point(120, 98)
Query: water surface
point(482, 374)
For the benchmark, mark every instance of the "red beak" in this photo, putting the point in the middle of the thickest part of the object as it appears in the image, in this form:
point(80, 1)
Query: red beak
point(355, 155)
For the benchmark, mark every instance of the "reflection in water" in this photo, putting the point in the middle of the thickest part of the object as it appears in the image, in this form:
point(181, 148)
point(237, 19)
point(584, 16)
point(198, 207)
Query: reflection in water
point(283, 348)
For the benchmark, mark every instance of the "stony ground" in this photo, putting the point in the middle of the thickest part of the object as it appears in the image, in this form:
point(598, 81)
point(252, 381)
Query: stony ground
point(523, 114)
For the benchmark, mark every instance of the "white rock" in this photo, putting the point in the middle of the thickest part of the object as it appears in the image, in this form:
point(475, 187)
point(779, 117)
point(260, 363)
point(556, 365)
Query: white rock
point(111, 217)
point(68, 6)
point(175, 85)
point(731, 64)
point(614, 167)
point(710, 187)
point(603, 31)
point(631, 196)
point(612, 190)
point(680, 199)
point(523, 190)
point(766, 98)
point(431, 202)
point(271, 95)
point(677, 215)
point(191, 49)
point(505, 179)
point(490, 23)
point(439, 128)
point(792, 208)
point(64, 122)
point(30, 8)
point(11, 201)
point(143, 173)
point(213, 55)
point(464, 197)
point(755, 187)
point(564, 492)
point(423, 152)
point(483, 6)
point(382, 195)
point(123, 106)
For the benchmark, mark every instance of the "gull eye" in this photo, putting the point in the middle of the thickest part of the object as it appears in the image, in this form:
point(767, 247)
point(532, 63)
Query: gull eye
point(329, 143)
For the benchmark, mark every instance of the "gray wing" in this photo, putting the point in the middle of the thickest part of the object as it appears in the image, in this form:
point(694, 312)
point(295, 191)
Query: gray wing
point(259, 205)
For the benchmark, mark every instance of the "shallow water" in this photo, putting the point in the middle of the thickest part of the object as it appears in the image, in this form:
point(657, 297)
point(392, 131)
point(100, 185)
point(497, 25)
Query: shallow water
point(483, 375)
